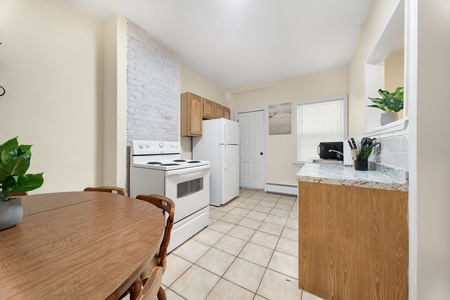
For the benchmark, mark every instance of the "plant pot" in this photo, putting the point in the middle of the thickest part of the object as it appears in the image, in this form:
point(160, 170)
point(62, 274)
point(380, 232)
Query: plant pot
point(11, 212)
point(361, 165)
point(388, 117)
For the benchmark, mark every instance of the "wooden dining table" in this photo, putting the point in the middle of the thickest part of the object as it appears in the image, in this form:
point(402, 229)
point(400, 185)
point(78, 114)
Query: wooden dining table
point(78, 245)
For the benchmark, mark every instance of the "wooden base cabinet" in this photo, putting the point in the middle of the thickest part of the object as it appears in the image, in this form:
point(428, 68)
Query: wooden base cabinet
point(353, 242)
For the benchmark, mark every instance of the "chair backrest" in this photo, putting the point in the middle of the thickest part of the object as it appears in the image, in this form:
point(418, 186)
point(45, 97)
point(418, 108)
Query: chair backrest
point(107, 189)
point(152, 285)
point(168, 210)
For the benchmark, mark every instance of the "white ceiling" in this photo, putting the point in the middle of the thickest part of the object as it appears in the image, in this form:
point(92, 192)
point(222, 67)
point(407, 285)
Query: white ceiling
point(237, 43)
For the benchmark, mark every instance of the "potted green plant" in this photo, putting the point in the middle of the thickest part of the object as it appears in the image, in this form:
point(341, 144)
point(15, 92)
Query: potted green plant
point(390, 103)
point(14, 163)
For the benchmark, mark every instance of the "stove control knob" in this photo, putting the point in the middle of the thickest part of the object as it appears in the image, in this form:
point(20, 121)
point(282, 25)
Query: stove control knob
point(161, 144)
point(140, 146)
point(147, 145)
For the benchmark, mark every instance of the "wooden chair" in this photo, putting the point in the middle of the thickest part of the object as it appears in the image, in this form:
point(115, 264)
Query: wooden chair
point(151, 288)
point(168, 209)
point(107, 189)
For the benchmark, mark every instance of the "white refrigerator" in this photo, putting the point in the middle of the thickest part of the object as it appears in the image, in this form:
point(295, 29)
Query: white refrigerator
point(219, 144)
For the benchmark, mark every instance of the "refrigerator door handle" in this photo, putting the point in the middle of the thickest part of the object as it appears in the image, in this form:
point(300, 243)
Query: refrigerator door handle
point(225, 157)
point(225, 132)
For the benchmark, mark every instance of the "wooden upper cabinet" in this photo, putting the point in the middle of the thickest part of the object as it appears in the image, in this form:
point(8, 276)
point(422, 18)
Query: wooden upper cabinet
point(191, 114)
point(208, 109)
point(218, 111)
point(194, 109)
point(226, 113)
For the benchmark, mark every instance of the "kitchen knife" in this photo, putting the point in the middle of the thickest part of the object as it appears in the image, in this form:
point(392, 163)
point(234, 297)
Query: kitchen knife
point(350, 144)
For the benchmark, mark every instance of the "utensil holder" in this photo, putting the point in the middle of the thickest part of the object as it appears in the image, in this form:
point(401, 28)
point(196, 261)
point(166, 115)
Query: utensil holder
point(361, 165)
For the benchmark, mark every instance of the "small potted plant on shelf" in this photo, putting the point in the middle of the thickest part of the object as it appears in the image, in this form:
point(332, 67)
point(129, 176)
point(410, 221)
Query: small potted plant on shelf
point(14, 163)
point(390, 103)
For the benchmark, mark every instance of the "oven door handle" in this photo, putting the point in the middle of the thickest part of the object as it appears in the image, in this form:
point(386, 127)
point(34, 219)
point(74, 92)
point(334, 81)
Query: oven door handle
point(186, 171)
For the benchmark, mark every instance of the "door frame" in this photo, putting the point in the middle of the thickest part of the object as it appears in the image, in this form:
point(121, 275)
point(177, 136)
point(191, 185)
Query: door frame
point(263, 141)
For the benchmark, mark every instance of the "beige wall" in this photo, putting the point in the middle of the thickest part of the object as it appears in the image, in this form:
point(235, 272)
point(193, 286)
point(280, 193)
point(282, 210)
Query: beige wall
point(51, 67)
point(194, 83)
point(115, 102)
point(371, 30)
point(280, 149)
point(433, 176)
point(394, 71)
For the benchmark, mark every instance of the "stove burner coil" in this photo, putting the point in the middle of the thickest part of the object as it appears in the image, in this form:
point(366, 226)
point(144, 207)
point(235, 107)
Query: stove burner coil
point(193, 162)
point(153, 163)
point(179, 160)
point(166, 165)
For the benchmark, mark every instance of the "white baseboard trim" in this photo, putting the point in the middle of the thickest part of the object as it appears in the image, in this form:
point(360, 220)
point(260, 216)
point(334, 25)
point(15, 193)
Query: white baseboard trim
point(281, 189)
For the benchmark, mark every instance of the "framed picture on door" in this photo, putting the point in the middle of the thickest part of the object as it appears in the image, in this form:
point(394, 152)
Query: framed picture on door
point(280, 118)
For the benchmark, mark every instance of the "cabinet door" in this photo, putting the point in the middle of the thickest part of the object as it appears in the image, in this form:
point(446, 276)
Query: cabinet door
point(226, 113)
point(191, 114)
point(208, 109)
point(218, 111)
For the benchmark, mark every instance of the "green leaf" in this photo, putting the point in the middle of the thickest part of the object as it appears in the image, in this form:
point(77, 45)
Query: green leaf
point(25, 151)
point(9, 183)
point(4, 195)
point(7, 149)
point(15, 166)
point(389, 101)
point(28, 182)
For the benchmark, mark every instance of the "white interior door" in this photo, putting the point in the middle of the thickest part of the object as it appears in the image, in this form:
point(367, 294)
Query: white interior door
point(252, 158)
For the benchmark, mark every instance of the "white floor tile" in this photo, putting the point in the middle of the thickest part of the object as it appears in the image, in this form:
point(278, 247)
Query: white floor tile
point(240, 211)
point(256, 254)
point(280, 212)
point(264, 239)
point(221, 226)
point(208, 236)
point(257, 215)
point(225, 290)
point(292, 223)
point(250, 223)
point(245, 274)
point(216, 261)
point(232, 218)
point(195, 283)
point(271, 228)
point(285, 264)
point(230, 245)
point(175, 267)
point(288, 246)
point(290, 233)
point(241, 232)
point(172, 295)
point(308, 296)
point(191, 250)
point(276, 219)
point(286, 287)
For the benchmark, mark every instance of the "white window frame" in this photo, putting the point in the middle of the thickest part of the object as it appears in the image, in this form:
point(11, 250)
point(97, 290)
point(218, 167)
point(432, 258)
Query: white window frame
point(344, 98)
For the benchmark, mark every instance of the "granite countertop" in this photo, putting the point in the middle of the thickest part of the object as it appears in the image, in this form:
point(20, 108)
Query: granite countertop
point(385, 177)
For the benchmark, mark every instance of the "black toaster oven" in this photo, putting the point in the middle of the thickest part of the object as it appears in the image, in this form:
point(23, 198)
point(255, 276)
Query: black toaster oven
point(323, 150)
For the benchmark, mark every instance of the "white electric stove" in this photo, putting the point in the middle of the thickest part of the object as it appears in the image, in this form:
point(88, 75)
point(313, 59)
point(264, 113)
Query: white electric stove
point(156, 167)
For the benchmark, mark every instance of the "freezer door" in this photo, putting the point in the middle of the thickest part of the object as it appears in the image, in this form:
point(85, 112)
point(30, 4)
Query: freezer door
point(229, 173)
point(229, 132)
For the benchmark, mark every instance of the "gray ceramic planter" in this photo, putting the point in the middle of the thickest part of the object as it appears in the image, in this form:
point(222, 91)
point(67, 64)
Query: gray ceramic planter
point(11, 212)
point(388, 117)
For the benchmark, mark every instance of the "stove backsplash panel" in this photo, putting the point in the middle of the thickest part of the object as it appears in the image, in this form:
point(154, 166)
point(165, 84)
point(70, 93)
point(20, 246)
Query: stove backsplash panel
point(153, 88)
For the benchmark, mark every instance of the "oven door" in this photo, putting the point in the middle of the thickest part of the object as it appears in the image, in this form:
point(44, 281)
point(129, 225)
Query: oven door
point(189, 189)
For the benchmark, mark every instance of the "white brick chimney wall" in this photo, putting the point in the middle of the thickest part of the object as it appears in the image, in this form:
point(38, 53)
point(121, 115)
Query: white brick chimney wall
point(153, 88)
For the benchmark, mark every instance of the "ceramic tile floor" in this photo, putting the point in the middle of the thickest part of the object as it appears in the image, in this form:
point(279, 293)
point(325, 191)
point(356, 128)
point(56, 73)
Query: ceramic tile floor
point(249, 251)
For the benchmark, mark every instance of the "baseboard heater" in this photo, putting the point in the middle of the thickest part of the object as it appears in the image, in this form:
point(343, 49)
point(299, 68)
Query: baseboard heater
point(281, 189)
